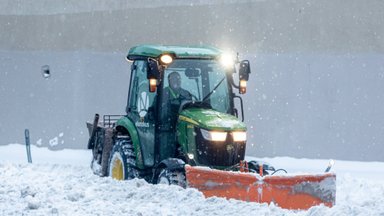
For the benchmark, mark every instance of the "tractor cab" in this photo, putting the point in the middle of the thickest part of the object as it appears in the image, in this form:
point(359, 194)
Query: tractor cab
point(179, 95)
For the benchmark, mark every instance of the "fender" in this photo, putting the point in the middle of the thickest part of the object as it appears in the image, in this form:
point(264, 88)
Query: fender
point(171, 164)
point(126, 126)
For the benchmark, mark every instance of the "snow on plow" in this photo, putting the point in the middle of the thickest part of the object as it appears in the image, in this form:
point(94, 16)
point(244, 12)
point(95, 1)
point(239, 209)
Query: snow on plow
point(286, 191)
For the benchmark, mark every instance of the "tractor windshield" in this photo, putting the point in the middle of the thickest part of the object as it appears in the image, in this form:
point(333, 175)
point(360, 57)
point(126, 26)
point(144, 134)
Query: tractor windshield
point(199, 80)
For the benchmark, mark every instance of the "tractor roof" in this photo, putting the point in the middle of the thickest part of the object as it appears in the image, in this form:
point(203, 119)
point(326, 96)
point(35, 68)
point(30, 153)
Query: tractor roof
point(155, 51)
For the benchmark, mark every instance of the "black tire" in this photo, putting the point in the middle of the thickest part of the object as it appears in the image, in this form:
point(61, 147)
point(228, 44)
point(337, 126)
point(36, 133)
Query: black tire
point(122, 162)
point(172, 177)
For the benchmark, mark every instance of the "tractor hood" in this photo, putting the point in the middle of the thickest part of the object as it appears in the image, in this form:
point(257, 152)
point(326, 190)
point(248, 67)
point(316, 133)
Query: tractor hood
point(212, 120)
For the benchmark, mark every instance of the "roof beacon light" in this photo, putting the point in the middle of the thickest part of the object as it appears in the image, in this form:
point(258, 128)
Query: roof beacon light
point(166, 59)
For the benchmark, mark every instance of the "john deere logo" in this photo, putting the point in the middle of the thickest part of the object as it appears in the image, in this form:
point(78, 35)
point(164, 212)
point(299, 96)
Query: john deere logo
point(143, 104)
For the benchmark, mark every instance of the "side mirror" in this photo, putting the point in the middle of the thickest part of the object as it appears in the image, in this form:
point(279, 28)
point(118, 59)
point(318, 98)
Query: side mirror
point(153, 74)
point(244, 72)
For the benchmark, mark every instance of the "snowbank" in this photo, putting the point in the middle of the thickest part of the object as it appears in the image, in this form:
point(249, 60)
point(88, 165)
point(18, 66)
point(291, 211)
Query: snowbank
point(61, 183)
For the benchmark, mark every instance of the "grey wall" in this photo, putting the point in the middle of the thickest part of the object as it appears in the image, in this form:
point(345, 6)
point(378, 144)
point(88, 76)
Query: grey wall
point(318, 105)
point(317, 68)
point(272, 26)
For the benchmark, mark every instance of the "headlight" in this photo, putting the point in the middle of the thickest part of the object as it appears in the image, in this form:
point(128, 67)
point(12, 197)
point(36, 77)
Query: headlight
point(239, 136)
point(214, 135)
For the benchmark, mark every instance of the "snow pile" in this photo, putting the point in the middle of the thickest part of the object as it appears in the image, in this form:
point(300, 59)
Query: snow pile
point(61, 183)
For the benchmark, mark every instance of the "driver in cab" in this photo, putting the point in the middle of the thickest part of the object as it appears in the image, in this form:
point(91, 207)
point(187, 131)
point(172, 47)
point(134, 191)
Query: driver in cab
point(173, 96)
point(174, 91)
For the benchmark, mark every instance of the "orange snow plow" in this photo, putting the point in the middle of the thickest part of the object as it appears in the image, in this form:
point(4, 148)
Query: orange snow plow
point(286, 191)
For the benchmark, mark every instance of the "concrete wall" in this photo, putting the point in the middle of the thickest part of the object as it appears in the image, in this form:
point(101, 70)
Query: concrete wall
point(272, 26)
point(317, 68)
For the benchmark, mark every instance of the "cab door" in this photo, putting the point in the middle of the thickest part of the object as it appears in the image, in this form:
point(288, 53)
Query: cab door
point(140, 110)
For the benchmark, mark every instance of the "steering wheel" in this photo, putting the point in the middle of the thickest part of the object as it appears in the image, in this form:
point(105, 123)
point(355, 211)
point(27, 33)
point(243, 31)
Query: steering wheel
point(194, 97)
point(189, 97)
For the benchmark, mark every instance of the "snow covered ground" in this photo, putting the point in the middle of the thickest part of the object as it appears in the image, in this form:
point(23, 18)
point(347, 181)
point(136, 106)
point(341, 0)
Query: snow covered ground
point(61, 183)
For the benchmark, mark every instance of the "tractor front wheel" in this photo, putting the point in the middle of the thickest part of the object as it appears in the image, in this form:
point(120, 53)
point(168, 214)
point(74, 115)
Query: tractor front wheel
point(172, 177)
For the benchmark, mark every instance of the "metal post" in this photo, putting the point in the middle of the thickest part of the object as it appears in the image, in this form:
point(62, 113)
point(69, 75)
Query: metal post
point(28, 145)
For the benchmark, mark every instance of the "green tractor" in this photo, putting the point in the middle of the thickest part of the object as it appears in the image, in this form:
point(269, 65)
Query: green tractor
point(180, 123)
point(164, 129)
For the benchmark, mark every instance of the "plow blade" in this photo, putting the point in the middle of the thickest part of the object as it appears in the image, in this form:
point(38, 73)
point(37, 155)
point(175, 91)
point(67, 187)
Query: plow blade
point(286, 191)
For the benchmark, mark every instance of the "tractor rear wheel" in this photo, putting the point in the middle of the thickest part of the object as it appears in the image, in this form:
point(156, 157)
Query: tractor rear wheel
point(172, 177)
point(122, 162)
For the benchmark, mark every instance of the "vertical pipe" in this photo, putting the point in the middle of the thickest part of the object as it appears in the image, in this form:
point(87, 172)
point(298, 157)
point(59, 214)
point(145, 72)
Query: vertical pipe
point(91, 140)
point(28, 145)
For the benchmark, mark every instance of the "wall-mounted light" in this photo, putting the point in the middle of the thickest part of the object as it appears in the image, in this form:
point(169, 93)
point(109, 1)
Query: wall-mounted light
point(45, 71)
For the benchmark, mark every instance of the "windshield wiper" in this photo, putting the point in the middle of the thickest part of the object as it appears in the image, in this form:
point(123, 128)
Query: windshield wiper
point(213, 90)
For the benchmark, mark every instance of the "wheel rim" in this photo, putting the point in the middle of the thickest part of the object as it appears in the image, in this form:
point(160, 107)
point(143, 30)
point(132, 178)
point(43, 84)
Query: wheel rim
point(163, 180)
point(117, 168)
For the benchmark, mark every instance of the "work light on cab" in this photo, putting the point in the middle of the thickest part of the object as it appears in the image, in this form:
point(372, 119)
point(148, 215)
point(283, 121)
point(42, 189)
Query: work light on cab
point(227, 60)
point(166, 59)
